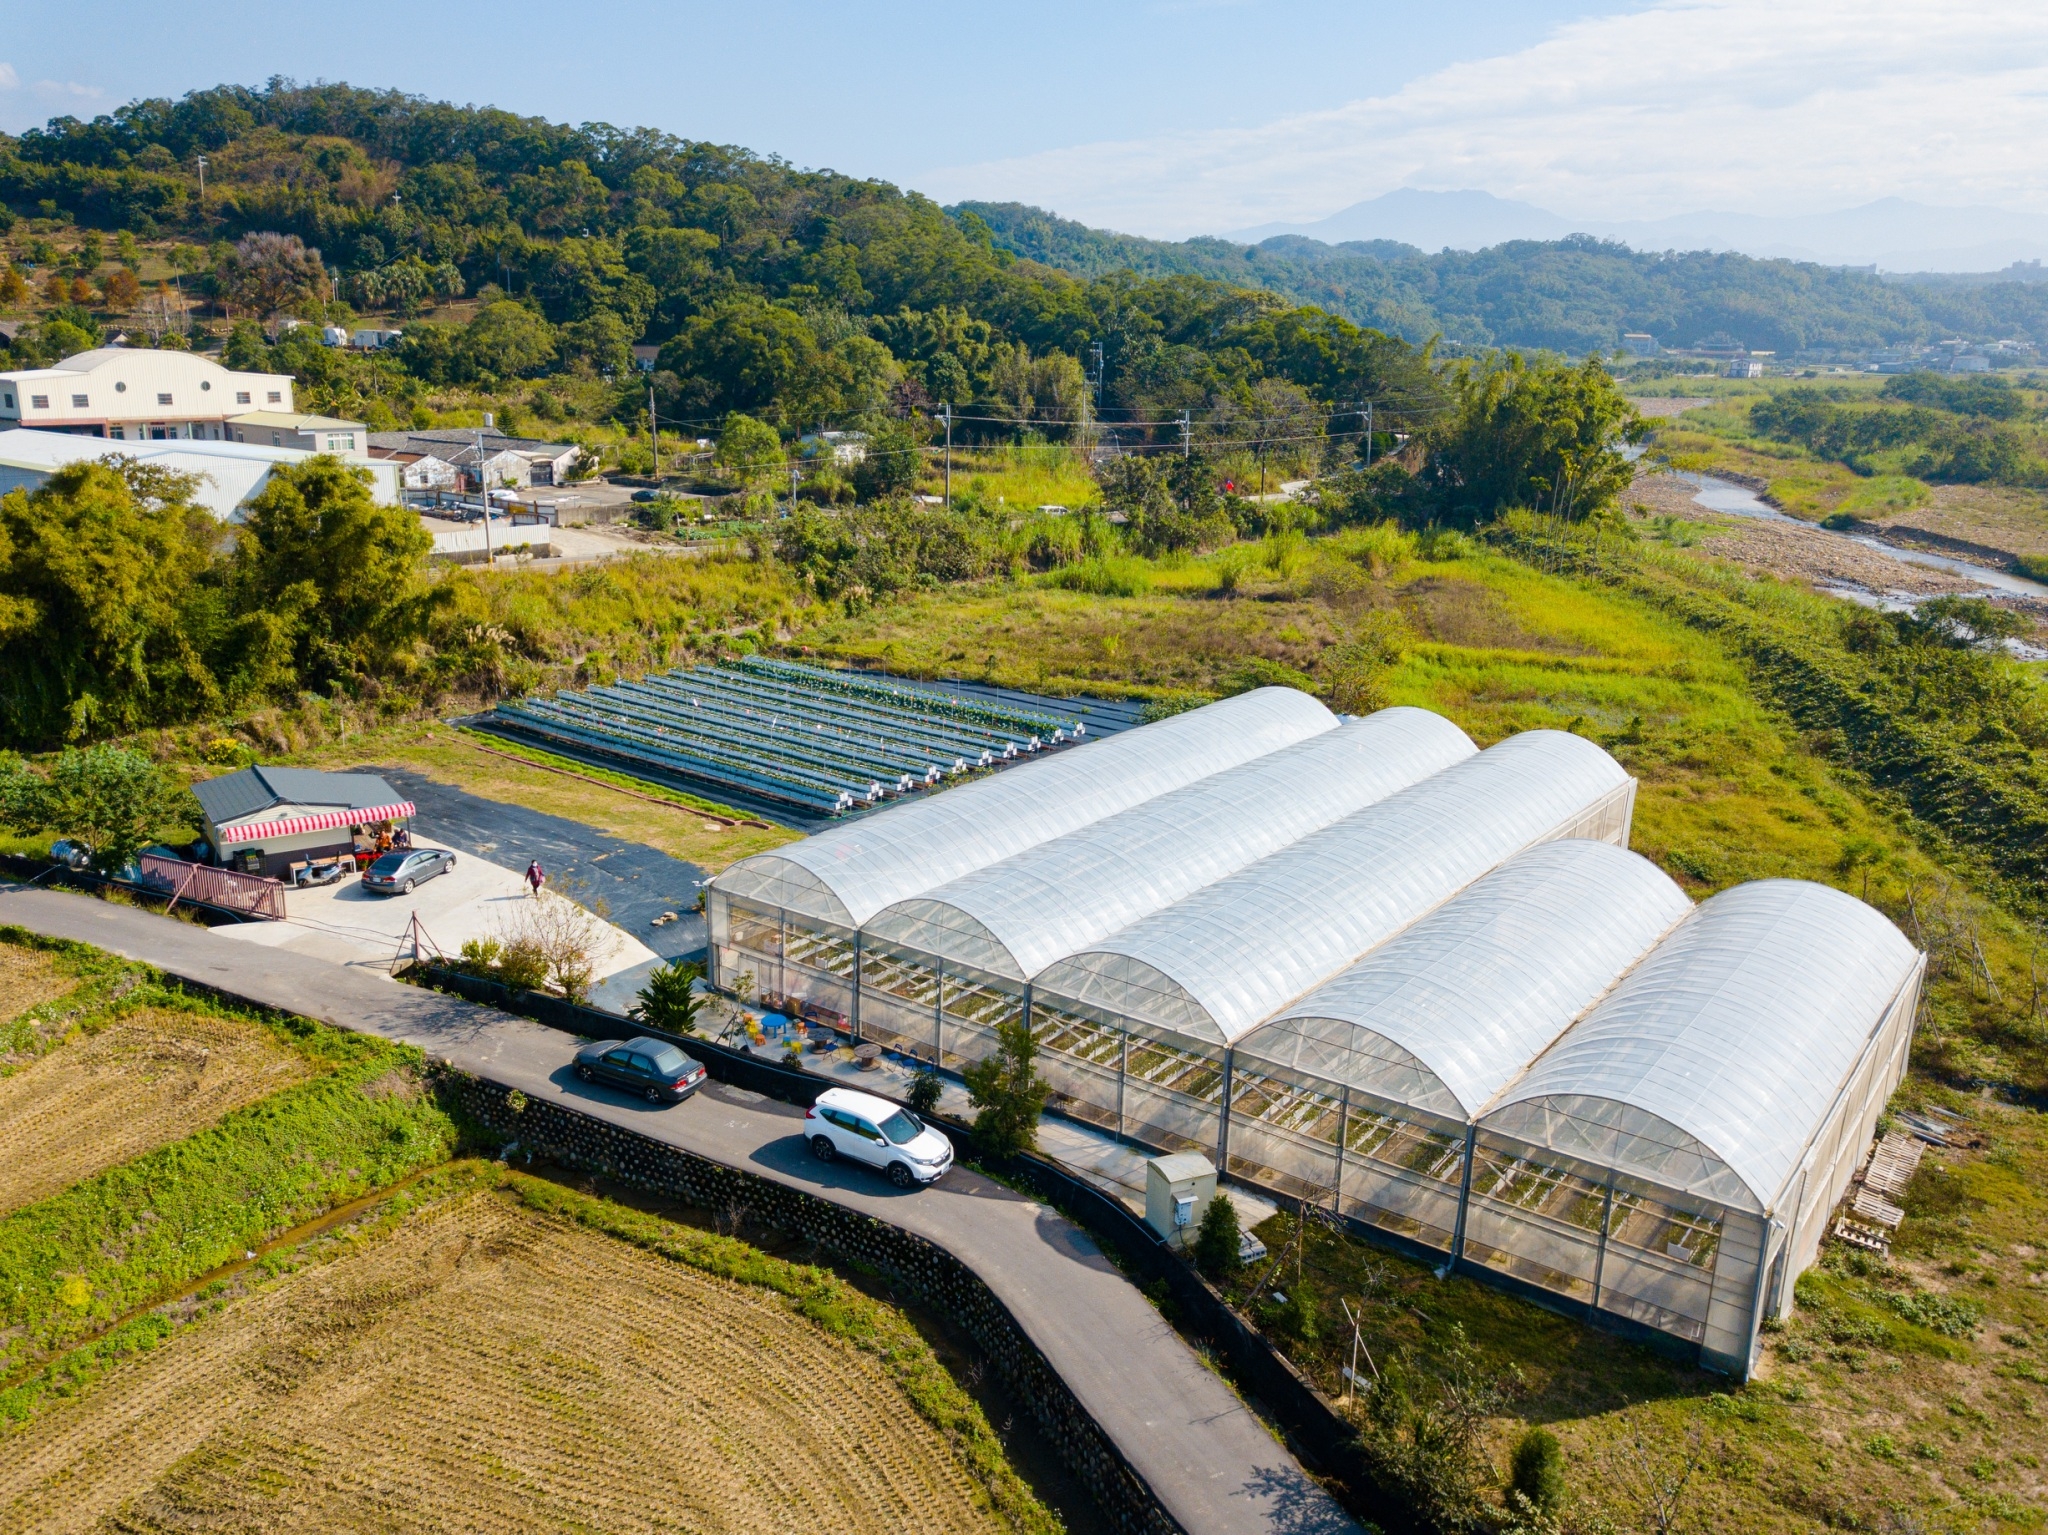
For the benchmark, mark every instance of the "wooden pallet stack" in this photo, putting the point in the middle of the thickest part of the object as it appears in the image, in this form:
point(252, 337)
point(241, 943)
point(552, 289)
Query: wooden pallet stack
point(1876, 1194)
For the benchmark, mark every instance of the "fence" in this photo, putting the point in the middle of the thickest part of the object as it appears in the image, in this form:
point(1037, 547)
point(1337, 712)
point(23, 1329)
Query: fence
point(246, 894)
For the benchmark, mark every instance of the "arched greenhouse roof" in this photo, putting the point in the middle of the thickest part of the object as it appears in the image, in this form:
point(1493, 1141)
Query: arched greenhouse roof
point(1713, 1065)
point(845, 874)
point(1015, 917)
point(1445, 1013)
point(1225, 959)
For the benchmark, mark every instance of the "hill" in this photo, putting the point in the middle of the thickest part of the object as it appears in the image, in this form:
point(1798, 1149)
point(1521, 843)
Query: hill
point(1575, 294)
point(801, 297)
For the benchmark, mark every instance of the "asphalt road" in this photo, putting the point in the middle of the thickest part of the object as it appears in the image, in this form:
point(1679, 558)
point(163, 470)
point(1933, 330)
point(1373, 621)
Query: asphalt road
point(1205, 1455)
point(635, 882)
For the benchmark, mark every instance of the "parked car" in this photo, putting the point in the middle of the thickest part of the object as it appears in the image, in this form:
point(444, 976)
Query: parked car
point(396, 873)
point(653, 1068)
point(874, 1131)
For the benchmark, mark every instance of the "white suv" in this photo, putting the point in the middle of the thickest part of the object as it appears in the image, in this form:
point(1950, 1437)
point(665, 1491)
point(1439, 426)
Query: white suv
point(864, 1128)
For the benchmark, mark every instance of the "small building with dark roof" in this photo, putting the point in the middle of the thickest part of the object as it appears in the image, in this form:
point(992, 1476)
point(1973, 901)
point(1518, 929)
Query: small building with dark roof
point(262, 820)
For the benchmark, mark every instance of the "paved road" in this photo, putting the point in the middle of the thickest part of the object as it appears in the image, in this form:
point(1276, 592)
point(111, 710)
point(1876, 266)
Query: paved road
point(1209, 1460)
point(637, 883)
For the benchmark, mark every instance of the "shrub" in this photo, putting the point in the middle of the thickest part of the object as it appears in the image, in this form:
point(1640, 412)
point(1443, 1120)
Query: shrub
point(1536, 1470)
point(1216, 1239)
point(522, 964)
point(670, 1001)
point(1104, 577)
point(924, 1091)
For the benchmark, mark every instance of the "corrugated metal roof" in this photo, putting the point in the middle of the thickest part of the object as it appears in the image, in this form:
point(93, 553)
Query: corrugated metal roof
point(234, 795)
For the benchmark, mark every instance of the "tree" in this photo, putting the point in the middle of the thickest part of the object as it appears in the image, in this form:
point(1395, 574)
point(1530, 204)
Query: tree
point(670, 1000)
point(13, 287)
point(111, 798)
point(327, 576)
point(1357, 670)
point(122, 289)
point(504, 341)
point(747, 355)
point(599, 343)
point(1009, 1092)
point(102, 592)
point(1542, 435)
point(245, 350)
point(268, 273)
point(748, 450)
point(1217, 1242)
point(890, 465)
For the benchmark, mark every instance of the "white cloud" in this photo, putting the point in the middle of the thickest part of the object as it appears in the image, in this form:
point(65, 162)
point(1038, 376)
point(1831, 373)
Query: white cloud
point(8, 78)
point(1769, 106)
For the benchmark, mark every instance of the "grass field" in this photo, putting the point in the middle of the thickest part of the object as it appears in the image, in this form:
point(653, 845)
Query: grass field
point(143, 1080)
point(1910, 1391)
point(486, 1365)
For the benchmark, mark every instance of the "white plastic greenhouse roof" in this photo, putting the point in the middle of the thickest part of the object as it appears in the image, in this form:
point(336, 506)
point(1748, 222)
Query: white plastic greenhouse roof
point(1712, 1066)
point(1015, 917)
point(1228, 957)
point(1445, 1013)
point(846, 874)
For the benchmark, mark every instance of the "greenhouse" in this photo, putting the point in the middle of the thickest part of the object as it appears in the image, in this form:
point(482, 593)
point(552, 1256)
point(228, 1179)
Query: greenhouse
point(1360, 963)
point(1674, 1159)
point(940, 971)
point(789, 919)
point(1364, 1092)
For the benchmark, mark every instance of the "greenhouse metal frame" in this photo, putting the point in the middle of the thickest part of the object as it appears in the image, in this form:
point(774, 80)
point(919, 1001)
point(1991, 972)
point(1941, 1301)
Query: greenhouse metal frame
point(1361, 964)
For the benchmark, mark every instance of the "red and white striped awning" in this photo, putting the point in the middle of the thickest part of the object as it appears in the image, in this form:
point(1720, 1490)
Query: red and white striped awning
point(319, 820)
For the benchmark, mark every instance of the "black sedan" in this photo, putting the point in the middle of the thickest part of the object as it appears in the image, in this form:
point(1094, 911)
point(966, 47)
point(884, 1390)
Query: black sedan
point(397, 872)
point(653, 1068)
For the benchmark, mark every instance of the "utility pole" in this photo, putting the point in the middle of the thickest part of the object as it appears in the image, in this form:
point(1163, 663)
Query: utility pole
point(483, 488)
point(1187, 435)
point(653, 432)
point(1368, 434)
point(946, 415)
point(202, 189)
point(794, 473)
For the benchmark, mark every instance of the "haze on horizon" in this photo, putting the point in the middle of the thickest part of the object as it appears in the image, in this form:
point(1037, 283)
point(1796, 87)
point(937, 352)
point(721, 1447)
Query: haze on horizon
point(1179, 117)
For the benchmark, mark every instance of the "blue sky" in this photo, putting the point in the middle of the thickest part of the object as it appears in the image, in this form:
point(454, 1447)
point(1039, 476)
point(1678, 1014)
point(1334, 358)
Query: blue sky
point(1175, 117)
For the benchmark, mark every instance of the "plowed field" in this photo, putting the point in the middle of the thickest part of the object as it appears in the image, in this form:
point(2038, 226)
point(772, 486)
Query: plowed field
point(489, 1368)
point(145, 1080)
point(28, 976)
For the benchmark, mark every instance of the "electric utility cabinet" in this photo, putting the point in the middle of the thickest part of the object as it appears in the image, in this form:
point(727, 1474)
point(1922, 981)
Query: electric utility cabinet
point(1177, 1190)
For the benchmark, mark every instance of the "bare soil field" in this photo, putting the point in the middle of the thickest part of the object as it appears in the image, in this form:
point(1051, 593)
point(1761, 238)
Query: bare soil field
point(488, 1367)
point(1995, 517)
point(143, 1081)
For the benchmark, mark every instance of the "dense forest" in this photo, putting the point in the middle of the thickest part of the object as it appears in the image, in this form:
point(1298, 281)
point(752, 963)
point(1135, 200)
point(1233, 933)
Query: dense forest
point(798, 297)
point(1578, 294)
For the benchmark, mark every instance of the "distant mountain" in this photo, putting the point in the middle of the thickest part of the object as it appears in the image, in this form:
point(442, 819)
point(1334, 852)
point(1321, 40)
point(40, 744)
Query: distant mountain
point(1891, 233)
point(1431, 221)
point(1577, 294)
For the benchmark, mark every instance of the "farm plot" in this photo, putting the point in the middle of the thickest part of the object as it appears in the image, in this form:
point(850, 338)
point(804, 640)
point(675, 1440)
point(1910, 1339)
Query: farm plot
point(28, 978)
point(142, 1081)
point(487, 1366)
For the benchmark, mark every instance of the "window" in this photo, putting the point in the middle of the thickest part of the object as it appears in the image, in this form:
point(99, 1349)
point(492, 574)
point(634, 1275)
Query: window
point(80, 401)
point(163, 399)
point(39, 401)
point(277, 439)
point(241, 397)
point(275, 397)
point(10, 402)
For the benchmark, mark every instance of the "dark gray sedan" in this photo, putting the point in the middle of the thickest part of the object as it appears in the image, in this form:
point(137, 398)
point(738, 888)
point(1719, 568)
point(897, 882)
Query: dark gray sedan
point(396, 872)
point(653, 1068)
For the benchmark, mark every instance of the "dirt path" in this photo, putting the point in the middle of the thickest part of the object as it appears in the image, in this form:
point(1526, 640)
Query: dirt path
point(488, 1368)
point(143, 1081)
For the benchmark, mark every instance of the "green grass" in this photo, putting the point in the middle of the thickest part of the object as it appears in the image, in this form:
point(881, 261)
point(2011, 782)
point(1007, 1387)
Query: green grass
point(123, 1238)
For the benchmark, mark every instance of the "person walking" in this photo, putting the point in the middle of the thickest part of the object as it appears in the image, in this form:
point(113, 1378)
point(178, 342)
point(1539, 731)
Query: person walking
point(536, 876)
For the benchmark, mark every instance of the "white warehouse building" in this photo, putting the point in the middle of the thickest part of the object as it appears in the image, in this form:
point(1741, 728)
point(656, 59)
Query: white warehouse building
point(1363, 963)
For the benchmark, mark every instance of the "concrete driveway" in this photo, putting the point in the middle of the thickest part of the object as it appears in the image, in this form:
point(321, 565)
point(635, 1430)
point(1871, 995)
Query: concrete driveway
point(348, 925)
